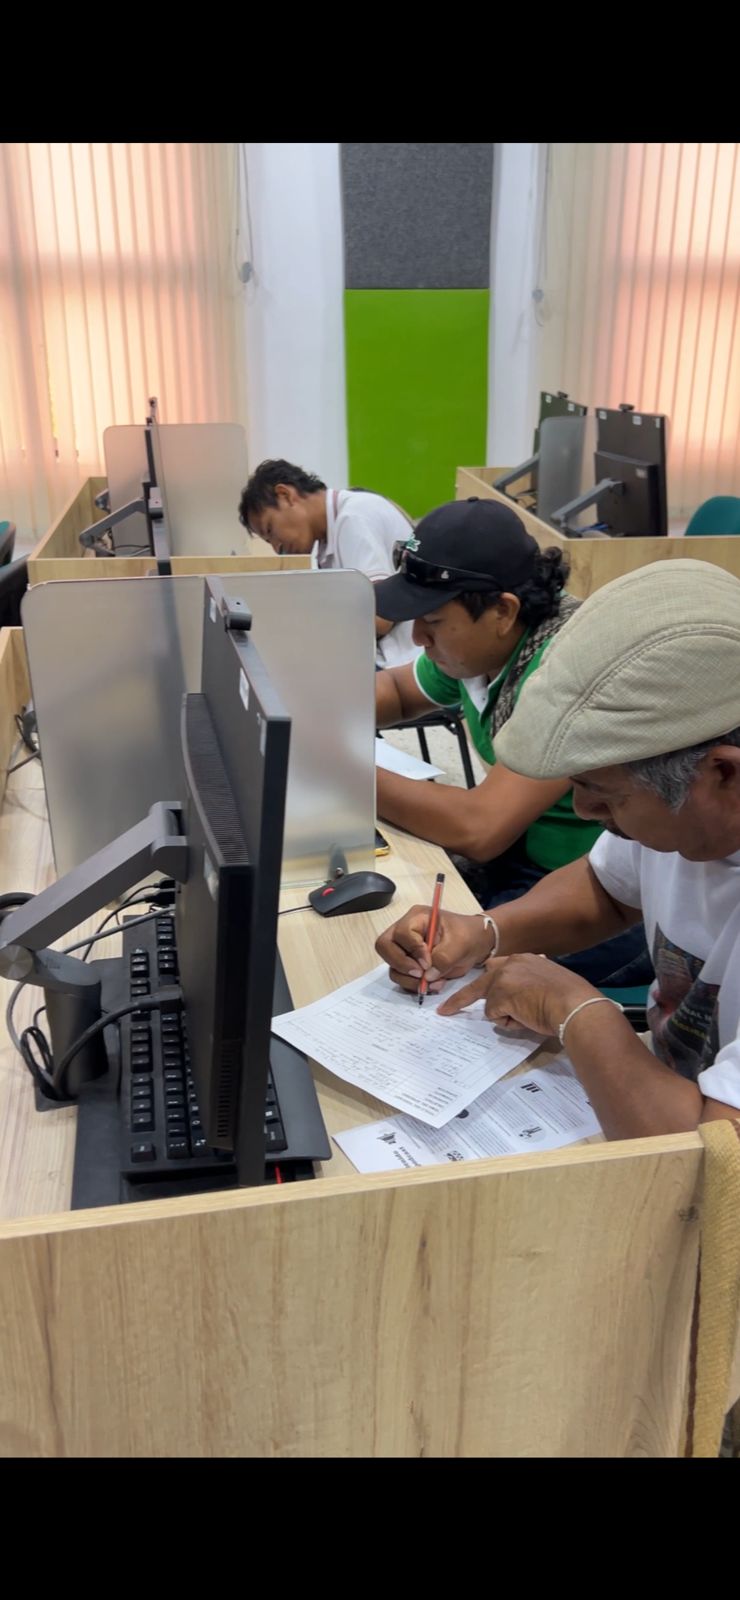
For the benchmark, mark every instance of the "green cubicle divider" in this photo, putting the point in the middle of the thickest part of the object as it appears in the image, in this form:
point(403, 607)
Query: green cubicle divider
point(417, 389)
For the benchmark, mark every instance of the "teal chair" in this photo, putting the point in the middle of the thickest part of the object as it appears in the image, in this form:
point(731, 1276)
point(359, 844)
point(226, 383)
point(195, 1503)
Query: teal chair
point(7, 542)
point(720, 515)
point(634, 1001)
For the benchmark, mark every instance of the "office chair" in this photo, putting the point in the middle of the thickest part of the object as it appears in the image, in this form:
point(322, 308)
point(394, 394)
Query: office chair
point(449, 717)
point(720, 515)
point(7, 542)
point(634, 1001)
point(13, 585)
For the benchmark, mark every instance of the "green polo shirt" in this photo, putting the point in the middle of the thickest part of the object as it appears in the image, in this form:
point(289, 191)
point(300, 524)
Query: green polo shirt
point(558, 836)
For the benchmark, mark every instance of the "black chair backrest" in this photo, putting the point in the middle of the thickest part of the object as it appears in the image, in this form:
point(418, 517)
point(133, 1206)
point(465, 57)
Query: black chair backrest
point(13, 585)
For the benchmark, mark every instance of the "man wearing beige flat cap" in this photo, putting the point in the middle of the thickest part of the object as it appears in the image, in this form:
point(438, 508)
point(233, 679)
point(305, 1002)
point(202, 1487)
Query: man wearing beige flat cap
point(638, 703)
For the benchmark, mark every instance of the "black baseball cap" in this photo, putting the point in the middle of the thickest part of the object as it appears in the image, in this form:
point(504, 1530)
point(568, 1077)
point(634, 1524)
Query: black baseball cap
point(466, 546)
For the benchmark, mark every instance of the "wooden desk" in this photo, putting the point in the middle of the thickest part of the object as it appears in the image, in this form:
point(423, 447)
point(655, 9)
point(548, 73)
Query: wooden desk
point(59, 554)
point(594, 562)
point(533, 1305)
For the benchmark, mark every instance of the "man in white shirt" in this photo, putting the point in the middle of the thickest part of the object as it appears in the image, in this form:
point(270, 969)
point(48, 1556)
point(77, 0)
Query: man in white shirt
point(638, 702)
point(350, 529)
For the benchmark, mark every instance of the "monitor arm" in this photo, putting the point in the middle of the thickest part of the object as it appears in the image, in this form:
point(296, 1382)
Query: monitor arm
point(581, 503)
point(155, 844)
point(90, 537)
point(502, 483)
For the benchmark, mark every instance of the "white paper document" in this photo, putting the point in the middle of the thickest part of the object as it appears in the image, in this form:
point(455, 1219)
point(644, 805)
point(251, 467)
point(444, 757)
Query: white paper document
point(380, 1039)
point(539, 1110)
point(391, 759)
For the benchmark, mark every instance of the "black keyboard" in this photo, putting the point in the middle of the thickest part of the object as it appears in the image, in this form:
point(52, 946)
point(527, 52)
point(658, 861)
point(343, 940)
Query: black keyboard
point(162, 1129)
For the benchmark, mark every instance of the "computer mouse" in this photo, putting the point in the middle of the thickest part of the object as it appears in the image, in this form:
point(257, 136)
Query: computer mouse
point(358, 891)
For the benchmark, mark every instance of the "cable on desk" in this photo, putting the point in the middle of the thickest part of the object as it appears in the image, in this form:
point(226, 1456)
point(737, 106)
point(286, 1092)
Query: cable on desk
point(288, 909)
point(33, 1037)
point(151, 1002)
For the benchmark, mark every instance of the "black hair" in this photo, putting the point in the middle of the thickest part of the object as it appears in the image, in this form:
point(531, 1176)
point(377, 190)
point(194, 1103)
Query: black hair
point(539, 597)
point(260, 490)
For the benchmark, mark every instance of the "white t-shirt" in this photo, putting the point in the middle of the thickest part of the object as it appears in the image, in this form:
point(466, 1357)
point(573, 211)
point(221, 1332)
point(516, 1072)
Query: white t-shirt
point(361, 530)
point(691, 911)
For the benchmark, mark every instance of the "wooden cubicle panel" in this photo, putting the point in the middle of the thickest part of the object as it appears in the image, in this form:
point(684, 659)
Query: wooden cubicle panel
point(594, 562)
point(533, 1306)
point(59, 554)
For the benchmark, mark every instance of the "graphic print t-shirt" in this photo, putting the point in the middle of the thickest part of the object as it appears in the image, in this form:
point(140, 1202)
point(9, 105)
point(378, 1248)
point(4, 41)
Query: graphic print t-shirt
point(691, 912)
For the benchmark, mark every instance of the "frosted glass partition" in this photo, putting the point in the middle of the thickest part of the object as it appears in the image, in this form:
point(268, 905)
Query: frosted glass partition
point(203, 467)
point(109, 663)
point(566, 466)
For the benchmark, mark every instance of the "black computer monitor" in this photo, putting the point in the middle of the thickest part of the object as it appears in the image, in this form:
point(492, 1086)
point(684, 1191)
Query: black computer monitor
point(239, 1092)
point(631, 449)
point(235, 741)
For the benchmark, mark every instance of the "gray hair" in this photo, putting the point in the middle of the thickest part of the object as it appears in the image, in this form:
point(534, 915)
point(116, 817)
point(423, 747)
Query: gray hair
point(671, 776)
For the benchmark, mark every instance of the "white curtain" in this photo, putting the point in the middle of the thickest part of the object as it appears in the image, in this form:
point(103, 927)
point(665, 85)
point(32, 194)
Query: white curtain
point(118, 281)
point(640, 270)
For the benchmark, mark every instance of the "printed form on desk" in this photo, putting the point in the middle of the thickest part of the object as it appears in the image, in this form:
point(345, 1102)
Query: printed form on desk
point(540, 1110)
point(380, 1039)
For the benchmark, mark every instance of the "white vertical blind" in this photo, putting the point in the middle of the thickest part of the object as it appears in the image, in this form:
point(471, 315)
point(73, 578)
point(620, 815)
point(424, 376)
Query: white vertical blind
point(118, 280)
point(641, 280)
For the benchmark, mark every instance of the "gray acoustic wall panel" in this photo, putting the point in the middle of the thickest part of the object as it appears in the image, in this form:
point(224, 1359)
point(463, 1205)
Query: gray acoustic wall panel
point(417, 216)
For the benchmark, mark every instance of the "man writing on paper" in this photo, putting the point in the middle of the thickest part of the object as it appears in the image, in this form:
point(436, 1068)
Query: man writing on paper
point(638, 703)
point(486, 605)
point(352, 529)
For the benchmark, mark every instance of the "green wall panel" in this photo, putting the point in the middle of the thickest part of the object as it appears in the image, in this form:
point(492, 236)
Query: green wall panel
point(417, 390)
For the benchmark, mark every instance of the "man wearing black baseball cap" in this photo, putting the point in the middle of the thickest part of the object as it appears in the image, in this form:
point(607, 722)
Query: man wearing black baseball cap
point(485, 602)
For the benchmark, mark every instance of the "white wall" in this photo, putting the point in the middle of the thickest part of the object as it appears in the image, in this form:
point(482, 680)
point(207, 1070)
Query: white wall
point(512, 369)
point(294, 309)
point(294, 306)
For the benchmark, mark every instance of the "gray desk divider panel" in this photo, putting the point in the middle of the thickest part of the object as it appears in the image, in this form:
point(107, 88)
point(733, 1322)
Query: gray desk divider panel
point(204, 467)
point(109, 663)
point(566, 466)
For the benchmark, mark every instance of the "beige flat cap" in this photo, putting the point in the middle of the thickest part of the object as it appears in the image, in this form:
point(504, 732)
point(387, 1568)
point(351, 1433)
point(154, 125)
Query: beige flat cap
point(648, 665)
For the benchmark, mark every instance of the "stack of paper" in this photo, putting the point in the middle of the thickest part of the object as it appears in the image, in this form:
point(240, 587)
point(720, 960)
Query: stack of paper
point(539, 1110)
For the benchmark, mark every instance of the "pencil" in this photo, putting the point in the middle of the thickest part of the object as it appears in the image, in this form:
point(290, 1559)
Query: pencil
point(431, 935)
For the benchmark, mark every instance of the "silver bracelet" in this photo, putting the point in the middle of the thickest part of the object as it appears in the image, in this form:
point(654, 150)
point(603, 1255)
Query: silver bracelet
point(488, 922)
point(597, 1000)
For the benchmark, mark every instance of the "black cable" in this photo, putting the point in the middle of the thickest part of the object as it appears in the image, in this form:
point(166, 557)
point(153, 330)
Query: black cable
point(151, 1002)
point(24, 763)
point(137, 897)
point(19, 1041)
point(288, 909)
